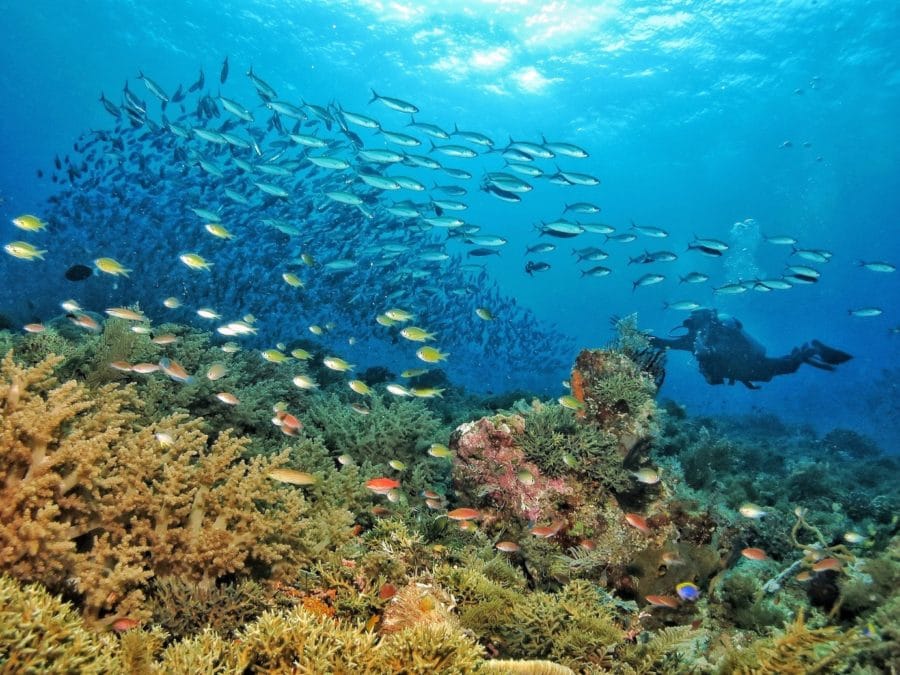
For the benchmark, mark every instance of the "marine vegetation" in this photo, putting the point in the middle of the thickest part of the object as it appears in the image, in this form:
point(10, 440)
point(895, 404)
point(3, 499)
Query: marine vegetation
point(541, 538)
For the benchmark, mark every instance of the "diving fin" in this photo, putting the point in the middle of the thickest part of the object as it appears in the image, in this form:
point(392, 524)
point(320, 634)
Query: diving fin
point(833, 357)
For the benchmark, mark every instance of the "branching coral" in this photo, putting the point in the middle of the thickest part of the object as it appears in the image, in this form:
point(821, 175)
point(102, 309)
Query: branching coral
point(95, 507)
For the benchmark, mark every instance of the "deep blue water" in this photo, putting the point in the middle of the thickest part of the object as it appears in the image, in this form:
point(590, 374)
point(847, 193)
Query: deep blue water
point(686, 109)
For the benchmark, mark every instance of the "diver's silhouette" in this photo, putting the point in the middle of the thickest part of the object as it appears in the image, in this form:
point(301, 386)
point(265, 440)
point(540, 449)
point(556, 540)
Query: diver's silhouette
point(725, 352)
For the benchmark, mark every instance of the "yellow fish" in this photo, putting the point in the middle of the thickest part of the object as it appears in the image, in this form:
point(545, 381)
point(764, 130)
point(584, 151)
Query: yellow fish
point(570, 402)
point(292, 476)
point(301, 354)
point(172, 303)
point(431, 354)
point(426, 392)
point(217, 230)
point(385, 320)
point(195, 261)
point(440, 451)
point(416, 334)
point(316, 329)
point(292, 279)
point(484, 313)
point(360, 387)
point(305, 382)
point(398, 314)
point(338, 364)
point(413, 372)
point(111, 266)
point(29, 223)
point(274, 356)
point(126, 314)
point(24, 250)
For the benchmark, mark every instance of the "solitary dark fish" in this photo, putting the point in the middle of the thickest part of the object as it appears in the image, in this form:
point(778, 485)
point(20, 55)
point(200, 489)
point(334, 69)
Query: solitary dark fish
point(224, 74)
point(78, 272)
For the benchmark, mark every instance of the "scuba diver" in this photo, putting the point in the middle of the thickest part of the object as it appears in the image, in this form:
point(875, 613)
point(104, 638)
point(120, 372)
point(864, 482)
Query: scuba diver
point(725, 351)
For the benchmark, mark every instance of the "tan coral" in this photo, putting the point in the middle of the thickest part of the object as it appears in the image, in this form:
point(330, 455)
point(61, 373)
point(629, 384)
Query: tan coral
point(90, 504)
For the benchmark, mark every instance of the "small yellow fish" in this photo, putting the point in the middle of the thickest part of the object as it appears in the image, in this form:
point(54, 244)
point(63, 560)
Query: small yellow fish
point(301, 354)
point(280, 346)
point(338, 364)
point(305, 382)
point(440, 451)
point(647, 475)
point(111, 266)
point(165, 339)
point(216, 371)
point(292, 279)
point(344, 459)
point(207, 313)
point(70, 306)
point(398, 390)
point(570, 402)
point(218, 230)
point(413, 372)
point(227, 398)
point(397, 465)
point(525, 477)
point(431, 354)
point(29, 223)
point(400, 315)
point(292, 476)
point(164, 439)
point(427, 392)
point(330, 325)
point(231, 348)
point(126, 314)
point(274, 356)
point(854, 538)
point(195, 261)
point(750, 510)
point(416, 334)
point(484, 313)
point(140, 329)
point(569, 460)
point(360, 408)
point(24, 250)
point(172, 303)
point(316, 329)
point(385, 320)
point(360, 387)
point(308, 260)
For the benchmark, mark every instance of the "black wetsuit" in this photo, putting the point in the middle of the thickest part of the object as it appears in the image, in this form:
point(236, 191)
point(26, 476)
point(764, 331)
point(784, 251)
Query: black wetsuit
point(725, 352)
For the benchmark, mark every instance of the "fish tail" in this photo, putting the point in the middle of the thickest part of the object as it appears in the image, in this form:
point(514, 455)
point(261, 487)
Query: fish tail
point(375, 96)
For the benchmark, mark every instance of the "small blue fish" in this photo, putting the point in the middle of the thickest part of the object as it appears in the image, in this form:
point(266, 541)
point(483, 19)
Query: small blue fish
point(687, 591)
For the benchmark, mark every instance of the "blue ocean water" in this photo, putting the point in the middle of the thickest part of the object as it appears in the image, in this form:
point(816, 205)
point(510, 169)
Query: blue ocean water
point(732, 121)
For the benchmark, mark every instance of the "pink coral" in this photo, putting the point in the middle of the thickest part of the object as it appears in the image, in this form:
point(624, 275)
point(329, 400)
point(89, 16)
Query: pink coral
point(488, 462)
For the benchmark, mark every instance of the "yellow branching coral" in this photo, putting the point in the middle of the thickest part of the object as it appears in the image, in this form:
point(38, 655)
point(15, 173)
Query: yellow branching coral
point(91, 504)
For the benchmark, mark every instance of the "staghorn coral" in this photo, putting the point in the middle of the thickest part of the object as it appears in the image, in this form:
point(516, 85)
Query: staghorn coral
point(41, 633)
point(796, 650)
point(183, 608)
point(98, 508)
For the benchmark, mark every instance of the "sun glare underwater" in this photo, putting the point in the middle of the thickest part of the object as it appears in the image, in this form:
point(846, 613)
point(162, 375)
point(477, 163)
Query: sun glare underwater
point(402, 323)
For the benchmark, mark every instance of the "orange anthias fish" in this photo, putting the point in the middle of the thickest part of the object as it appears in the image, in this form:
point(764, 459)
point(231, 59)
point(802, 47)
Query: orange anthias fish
point(663, 601)
point(547, 531)
point(826, 564)
point(175, 370)
point(123, 624)
point(754, 554)
point(382, 485)
point(464, 513)
point(637, 521)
